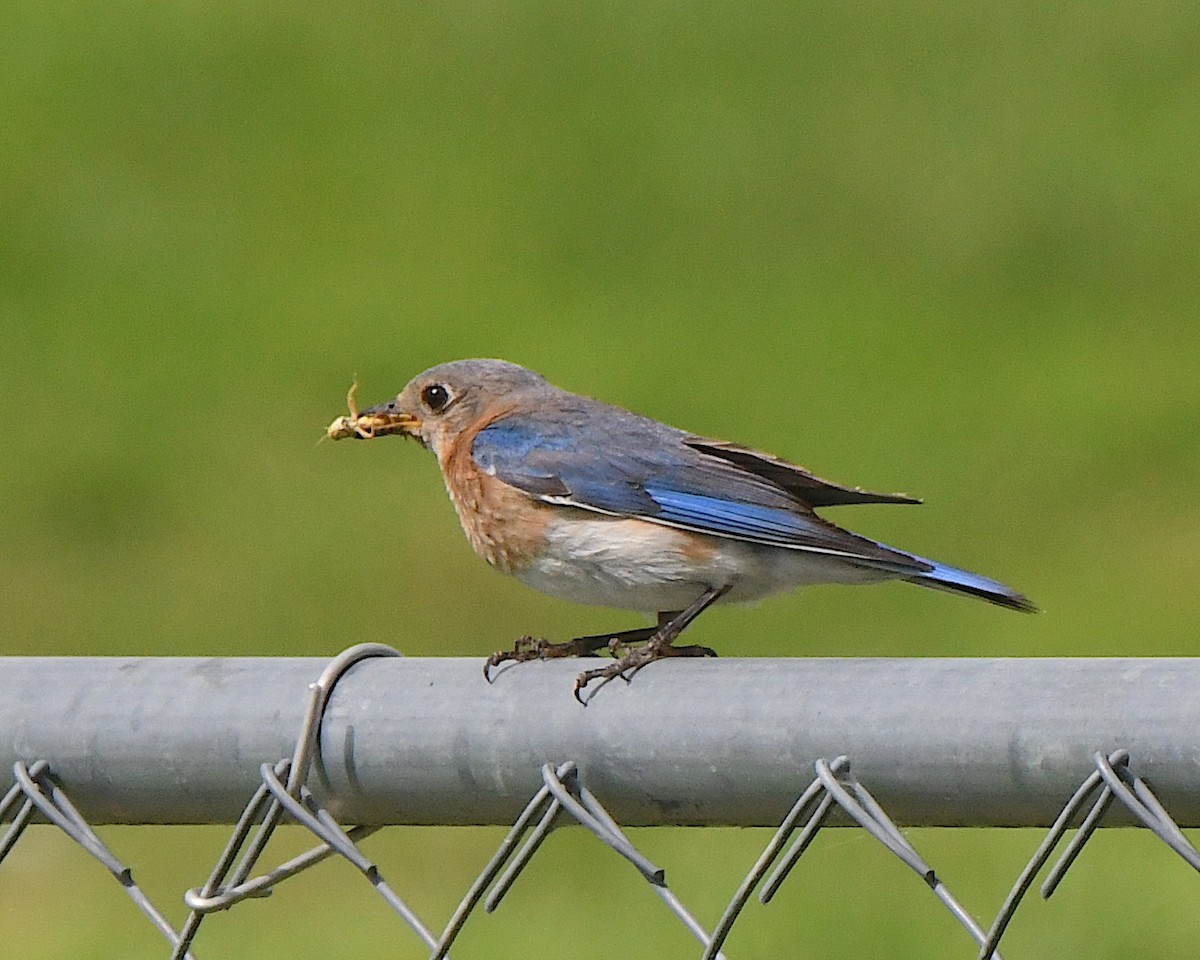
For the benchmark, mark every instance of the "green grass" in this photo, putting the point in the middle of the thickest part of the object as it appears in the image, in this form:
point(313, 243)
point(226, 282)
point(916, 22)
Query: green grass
point(950, 250)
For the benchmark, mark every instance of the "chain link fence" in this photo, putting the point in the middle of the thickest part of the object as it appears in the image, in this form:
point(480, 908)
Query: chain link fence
point(372, 739)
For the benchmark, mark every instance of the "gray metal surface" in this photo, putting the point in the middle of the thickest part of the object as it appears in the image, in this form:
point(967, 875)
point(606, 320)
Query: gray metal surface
point(729, 741)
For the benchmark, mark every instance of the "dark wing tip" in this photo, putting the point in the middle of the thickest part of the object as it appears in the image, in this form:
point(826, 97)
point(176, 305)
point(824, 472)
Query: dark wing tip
point(793, 478)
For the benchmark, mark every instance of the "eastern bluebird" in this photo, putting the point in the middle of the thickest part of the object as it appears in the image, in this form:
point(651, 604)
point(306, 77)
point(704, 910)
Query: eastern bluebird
point(592, 503)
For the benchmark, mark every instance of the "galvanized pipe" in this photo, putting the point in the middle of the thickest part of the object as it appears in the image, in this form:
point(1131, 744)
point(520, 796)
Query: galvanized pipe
point(977, 742)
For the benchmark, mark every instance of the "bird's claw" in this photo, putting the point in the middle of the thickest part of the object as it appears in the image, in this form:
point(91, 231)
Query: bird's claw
point(625, 668)
point(633, 661)
point(603, 675)
point(537, 648)
point(526, 648)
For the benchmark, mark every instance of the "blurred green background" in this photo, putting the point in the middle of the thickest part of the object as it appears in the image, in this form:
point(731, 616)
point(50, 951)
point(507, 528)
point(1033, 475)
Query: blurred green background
point(946, 248)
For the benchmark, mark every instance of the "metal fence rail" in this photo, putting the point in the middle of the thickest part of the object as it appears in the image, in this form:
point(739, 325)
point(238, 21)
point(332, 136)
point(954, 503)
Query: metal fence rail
point(374, 739)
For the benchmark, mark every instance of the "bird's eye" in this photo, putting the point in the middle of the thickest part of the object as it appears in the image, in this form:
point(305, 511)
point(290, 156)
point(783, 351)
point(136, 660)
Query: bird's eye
point(435, 397)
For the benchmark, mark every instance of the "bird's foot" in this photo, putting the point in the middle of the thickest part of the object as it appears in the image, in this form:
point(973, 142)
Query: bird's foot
point(539, 648)
point(656, 648)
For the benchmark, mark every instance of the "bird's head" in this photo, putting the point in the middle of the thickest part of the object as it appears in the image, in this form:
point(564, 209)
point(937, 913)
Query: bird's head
point(439, 404)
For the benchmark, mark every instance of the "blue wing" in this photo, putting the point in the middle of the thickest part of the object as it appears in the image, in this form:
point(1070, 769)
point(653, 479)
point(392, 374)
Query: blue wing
point(626, 465)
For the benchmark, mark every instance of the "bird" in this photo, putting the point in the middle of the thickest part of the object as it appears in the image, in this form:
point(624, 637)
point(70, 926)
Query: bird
point(593, 503)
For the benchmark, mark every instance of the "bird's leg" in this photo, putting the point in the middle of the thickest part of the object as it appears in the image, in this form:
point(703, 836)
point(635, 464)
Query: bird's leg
point(658, 645)
point(537, 648)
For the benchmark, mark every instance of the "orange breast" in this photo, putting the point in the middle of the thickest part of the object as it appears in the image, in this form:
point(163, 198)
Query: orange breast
point(505, 527)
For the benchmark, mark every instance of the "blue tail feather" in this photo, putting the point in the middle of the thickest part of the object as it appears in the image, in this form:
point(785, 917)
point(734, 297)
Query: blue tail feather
point(952, 579)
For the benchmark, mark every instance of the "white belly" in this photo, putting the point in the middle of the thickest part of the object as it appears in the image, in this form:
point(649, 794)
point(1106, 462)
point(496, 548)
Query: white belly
point(638, 565)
